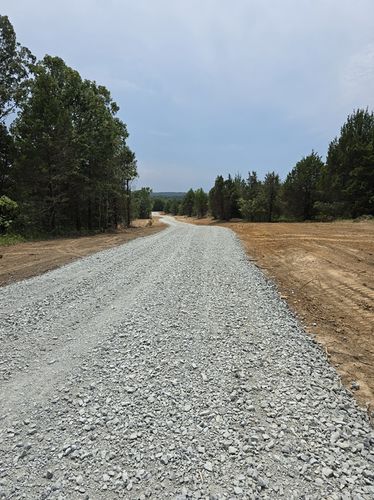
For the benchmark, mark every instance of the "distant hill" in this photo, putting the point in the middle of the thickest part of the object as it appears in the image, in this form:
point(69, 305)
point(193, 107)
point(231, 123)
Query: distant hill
point(168, 194)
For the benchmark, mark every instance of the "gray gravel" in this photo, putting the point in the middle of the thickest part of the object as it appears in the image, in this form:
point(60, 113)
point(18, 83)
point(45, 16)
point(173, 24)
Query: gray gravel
point(170, 368)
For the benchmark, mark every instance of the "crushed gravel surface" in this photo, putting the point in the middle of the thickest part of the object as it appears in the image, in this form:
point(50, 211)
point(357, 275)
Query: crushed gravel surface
point(170, 368)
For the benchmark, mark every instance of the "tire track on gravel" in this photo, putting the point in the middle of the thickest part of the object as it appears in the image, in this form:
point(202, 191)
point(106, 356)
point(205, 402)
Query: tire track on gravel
point(192, 381)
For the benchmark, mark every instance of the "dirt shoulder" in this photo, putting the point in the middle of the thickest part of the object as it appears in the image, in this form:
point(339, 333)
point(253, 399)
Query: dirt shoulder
point(325, 271)
point(24, 260)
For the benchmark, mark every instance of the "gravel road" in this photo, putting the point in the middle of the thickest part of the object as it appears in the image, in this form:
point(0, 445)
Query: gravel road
point(170, 368)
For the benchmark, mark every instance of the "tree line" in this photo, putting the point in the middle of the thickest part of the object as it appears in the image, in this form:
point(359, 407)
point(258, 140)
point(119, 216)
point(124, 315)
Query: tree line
point(64, 160)
point(65, 164)
point(341, 187)
point(193, 204)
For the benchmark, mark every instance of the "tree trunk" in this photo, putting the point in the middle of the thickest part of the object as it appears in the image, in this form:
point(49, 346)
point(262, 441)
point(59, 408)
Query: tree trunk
point(52, 217)
point(115, 212)
point(89, 213)
point(78, 222)
point(128, 208)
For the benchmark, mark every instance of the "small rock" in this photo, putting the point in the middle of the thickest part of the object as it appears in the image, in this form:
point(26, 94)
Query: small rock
point(208, 466)
point(79, 479)
point(327, 472)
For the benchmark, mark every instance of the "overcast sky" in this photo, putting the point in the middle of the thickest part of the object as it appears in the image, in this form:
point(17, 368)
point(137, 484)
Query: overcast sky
point(212, 86)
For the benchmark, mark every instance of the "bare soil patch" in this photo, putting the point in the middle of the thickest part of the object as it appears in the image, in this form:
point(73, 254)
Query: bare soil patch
point(24, 260)
point(325, 271)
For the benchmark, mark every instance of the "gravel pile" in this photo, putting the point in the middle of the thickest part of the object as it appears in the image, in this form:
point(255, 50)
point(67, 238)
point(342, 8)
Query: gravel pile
point(170, 368)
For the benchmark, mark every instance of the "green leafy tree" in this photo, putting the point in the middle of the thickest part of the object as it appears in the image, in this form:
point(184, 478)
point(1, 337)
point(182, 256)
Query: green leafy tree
point(8, 213)
point(6, 159)
point(66, 161)
point(73, 165)
point(188, 202)
point(300, 189)
point(200, 203)
point(126, 171)
point(101, 182)
point(216, 198)
point(15, 65)
point(44, 138)
point(158, 205)
point(175, 206)
point(167, 206)
point(271, 192)
point(252, 201)
point(231, 195)
point(172, 206)
point(224, 198)
point(143, 203)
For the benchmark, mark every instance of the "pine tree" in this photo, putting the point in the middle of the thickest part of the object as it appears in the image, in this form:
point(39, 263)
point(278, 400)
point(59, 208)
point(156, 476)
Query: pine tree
point(300, 189)
point(349, 173)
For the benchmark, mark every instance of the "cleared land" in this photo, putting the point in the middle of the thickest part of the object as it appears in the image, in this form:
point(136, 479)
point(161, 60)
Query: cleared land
point(24, 260)
point(325, 272)
point(170, 368)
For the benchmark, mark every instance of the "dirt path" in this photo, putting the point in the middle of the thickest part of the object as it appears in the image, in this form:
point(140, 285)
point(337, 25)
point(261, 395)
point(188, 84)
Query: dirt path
point(325, 271)
point(24, 260)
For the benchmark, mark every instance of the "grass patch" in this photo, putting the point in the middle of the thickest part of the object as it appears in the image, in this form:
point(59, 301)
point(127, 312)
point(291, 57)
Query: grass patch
point(10, 239)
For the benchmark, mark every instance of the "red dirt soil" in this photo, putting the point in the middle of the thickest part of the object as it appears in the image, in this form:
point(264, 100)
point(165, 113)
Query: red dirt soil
point(24, 260)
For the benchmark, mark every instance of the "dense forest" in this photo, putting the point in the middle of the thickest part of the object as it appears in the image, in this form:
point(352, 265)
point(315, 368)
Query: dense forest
point(341, 187)
point(64, 161)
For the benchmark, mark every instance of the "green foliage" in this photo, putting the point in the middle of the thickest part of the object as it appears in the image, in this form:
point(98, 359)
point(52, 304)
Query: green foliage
point(349, 173)
point(8, 212)
point(253, 209)
point(200, 208)
point(6, 159)
point(231, 198)
point(175, 207)
point(224, 198)
point(252, 203)
point(10, 239)
point(158, 204)
point(300, 189)
point(344, 187)
point(72, 158)
point(65, 159)
point(216, 198)
point(188, 202)
point(143, 203)
point(328, 211)
point(169, 195)
point(260, 201)
point(15, 64)
point(271, 191)
point(66, 163)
